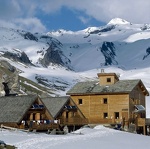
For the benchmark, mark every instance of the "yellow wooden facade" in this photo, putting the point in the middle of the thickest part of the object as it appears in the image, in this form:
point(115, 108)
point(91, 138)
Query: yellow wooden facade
point(103, 108)
point(107, 79)
point(71, 116)
point(113, 108)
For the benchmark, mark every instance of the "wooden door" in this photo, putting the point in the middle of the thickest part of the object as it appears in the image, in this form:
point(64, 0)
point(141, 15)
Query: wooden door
point(124, 118)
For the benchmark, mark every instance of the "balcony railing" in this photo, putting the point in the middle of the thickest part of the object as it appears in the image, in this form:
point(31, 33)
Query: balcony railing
point(31, 125)
point(70, 108)
point(37, 106)
point(45, 126)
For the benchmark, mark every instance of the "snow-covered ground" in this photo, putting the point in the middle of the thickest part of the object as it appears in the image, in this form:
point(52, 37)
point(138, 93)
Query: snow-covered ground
point(88, 138)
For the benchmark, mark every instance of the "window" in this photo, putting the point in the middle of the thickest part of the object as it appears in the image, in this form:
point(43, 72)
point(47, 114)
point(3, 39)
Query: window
point(73, 114)
point(116, 115)
point(105, 115)
point(105, 100)
point(67, 115)
point(80, 101)
point(108, 79)
point(34, 116)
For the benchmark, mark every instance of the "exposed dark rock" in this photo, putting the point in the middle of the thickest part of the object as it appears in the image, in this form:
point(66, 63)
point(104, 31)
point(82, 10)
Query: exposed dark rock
point(108, 51)
point(49, 40)
point(24, 58)
point(75, 46)
point(54, 55)
point(54, 84)
point(148, 50)
point(145, 27)
point(30, 36)
point(87, 36)
point(21, 57)
point(46, 37)
point(95, 32)
point(106, 29)
point(147, 53)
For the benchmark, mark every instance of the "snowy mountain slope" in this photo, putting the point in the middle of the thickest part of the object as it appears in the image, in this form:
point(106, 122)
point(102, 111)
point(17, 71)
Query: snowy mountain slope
point(48, 59)
point(85, 45)
point(115, 30)
point(74, 49)
point(36, 46)
point(125, 55)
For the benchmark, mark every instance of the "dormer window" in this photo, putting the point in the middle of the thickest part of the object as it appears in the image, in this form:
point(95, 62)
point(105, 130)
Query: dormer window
point(108, 79)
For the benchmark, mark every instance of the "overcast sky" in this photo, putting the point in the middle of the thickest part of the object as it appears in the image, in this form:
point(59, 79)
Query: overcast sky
point(47, 15)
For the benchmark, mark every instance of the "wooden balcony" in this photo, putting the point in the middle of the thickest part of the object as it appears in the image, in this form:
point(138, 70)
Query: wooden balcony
point(45, 126)
point(73, 121)
point(41, 127)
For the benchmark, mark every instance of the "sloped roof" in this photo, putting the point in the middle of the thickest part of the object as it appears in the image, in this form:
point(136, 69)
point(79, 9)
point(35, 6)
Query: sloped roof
point(12, 109)
point(93, 87)
point(55, 104)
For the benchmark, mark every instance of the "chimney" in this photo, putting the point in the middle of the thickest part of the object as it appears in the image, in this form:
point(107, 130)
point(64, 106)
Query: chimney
point(102, 70)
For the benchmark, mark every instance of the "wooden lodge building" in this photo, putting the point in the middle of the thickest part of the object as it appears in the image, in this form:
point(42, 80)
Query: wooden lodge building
point(33, 113)
point(112, 101)
point(106, 101)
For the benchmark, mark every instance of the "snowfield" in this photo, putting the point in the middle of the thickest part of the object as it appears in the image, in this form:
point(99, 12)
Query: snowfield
point(96, 138)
